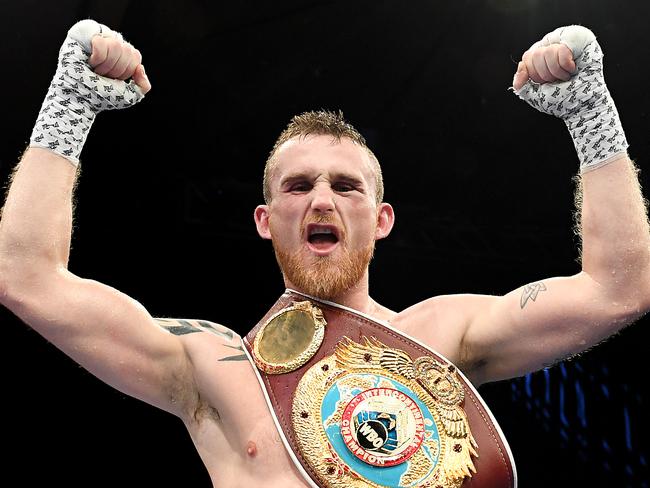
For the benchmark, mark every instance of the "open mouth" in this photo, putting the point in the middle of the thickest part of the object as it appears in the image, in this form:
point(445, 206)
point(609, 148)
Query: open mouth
point(322, 238)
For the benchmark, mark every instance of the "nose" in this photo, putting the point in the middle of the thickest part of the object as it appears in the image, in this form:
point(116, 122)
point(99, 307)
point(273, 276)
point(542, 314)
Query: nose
point(322, 199)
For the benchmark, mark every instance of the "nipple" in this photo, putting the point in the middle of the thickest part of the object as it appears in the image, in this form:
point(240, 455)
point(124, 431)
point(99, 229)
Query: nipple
point(251, 450)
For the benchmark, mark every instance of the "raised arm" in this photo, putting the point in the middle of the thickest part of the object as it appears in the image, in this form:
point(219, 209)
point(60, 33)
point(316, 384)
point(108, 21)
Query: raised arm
point(108, 333)
point(552, 319)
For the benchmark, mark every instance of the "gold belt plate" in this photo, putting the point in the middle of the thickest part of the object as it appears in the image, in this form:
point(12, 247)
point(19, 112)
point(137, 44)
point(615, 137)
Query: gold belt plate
point(370, 416)
point(289, 338)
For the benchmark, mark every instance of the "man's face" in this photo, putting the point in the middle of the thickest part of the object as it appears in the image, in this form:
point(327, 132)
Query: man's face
point(323, 217)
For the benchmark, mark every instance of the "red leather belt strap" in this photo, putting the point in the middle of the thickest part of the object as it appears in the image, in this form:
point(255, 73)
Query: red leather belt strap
point(494, 465)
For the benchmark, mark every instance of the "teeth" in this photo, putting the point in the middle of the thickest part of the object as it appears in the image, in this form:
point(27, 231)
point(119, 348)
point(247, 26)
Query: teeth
point(320, 230)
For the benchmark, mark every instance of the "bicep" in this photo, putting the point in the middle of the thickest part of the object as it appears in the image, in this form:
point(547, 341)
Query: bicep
point(112, 336)
point(538, 325)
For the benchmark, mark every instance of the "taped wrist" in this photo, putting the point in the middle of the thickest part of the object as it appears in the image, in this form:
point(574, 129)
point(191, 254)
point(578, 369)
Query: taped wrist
point(76, 94)
point(585, 105)
point(592, 118)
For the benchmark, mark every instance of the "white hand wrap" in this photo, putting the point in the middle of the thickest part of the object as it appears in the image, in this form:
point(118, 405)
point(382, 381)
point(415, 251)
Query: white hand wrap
point(584, 102)
point(77, 94)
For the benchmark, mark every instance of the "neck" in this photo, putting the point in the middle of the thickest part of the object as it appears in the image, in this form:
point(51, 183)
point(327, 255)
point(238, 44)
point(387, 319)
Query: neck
point(357, 297)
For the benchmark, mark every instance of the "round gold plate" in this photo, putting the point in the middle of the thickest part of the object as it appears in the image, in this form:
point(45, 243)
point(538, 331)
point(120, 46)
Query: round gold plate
point(289, 338)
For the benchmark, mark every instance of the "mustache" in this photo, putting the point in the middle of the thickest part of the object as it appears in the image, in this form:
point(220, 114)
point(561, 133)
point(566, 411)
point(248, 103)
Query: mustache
point(322, 219)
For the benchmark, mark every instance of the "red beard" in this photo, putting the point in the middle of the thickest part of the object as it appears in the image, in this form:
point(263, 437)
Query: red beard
point(327, 277)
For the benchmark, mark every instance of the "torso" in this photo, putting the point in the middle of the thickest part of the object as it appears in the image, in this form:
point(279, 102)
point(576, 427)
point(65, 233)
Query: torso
point(233, 430)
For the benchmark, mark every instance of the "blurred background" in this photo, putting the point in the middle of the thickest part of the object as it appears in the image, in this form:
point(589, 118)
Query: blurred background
point(481, 183)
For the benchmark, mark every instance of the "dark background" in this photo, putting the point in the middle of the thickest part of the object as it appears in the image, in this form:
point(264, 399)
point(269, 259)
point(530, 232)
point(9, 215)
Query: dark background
point(481, 183)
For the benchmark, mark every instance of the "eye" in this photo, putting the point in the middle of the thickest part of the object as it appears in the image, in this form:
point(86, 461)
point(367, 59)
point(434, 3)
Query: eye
point(300, 187)
point(343, 187)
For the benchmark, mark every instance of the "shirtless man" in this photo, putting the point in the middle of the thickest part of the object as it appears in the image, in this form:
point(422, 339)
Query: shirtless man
point(315, 185)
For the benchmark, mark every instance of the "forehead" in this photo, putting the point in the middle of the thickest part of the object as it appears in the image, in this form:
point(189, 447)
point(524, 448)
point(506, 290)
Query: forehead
point(322, 154)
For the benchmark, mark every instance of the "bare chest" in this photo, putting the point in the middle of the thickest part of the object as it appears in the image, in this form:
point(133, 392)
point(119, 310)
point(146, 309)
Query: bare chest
point(236, 436)
point(238, 440)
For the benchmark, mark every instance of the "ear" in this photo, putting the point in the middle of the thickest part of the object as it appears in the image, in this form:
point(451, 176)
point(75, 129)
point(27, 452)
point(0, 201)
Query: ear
point(385, 220)
point(262, 221)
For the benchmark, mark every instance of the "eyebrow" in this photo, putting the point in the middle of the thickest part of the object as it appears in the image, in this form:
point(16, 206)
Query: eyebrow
point(304, 175)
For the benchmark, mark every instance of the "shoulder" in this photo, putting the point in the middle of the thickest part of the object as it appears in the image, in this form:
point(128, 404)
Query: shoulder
point(443, 307)
point(204, 339)
point(441, 323)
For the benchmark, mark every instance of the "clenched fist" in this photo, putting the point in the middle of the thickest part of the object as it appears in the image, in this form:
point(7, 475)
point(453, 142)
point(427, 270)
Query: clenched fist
point(94, 66)
point(562, 75)
point(545, 64)
point(114, 58)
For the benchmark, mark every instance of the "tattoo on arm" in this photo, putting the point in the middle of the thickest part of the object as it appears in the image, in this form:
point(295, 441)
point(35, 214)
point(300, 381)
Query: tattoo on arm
point(182, 327)
point(237, 357)
point(530, 292)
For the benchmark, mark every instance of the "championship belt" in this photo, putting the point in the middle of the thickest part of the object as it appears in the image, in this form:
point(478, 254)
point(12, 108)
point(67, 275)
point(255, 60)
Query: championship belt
point(359, 404)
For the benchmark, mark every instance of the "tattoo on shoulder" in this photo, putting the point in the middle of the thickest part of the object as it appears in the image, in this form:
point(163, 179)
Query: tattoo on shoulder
point(531, 291)
point(236, 357)
point(184, 326)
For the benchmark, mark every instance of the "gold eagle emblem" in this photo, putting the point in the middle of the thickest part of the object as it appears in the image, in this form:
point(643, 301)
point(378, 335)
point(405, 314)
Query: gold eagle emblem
point(440, 382)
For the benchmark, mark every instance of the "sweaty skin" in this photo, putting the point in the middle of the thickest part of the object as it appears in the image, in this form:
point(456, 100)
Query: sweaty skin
point(197, 370)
